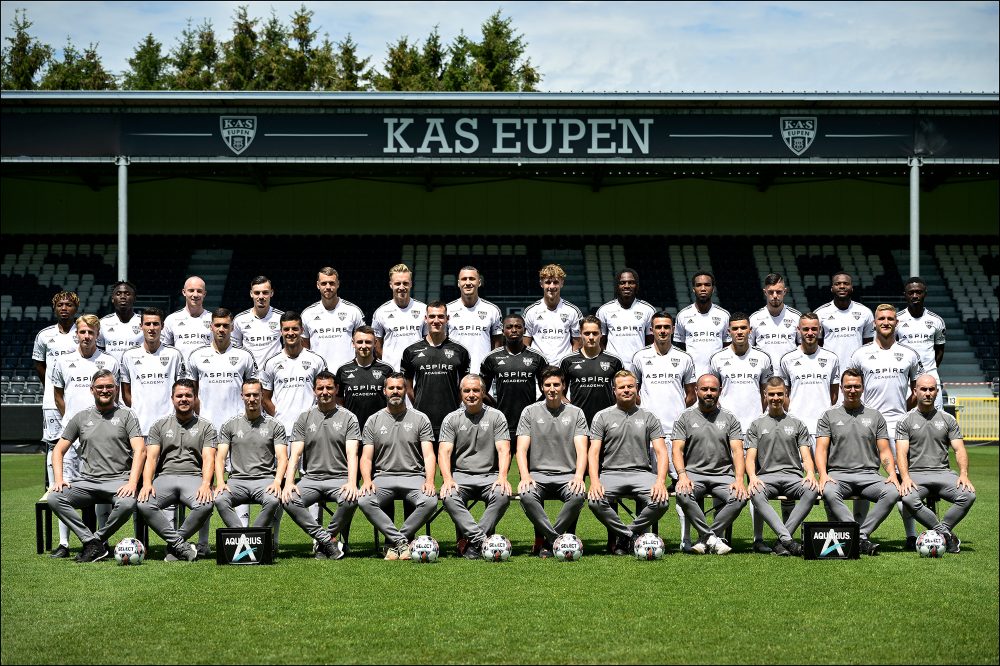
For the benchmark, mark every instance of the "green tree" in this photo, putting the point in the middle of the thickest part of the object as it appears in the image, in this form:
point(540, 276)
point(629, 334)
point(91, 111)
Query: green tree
point(272, 57)
point(458, 73)
point(498, 58)
point(147, 67)
point(22, 61)
point(78, 71)
point(300, 73)
point(433, 60)
point(238, 68)
point(354, 72)
point(402, 67)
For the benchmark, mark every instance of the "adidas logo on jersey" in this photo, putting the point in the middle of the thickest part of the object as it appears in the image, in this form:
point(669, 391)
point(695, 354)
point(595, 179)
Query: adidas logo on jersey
point(695, 425)
point(312, 427)
point(765, 431)
point(351, 376)
point(169, 433)
point(839, 423)
point(89, 423)
point(383, 431)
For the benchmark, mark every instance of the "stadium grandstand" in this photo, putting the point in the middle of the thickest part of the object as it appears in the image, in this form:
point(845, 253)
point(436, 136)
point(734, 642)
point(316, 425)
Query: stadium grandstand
point(153, 188)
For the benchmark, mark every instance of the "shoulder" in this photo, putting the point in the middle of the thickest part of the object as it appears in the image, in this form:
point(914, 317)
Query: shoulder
point(646, 305)
point(534, 306)
point(913, 352)
point(758, 314)
point(722, 310)
point(309, 309)
point(245, 313)
point(826, 306)
point(385, 307)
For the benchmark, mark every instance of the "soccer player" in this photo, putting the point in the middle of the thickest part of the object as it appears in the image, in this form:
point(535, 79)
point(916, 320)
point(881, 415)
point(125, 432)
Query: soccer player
point(851, 442)
point(325, 438)
point(288, 378)
point(846, 324)
point(923, 437)
point(552, 459)
point(516, 370)
point(551, 324)
point(618, 458)
point(258, 452)
point(258, 330)
point(474, 457)
point(702, 328)
point(51, 343)
point(922, 330)
point(433, 367)
point(122, 329)
point(399, 322)
point(779, 462)
point(180, 454)
point(73, 374)
point(190, 327)
point(474, 322)
point(743, 371)
point(397, 462)
point(360, 381)
point(329, 323)
point(589, 371)
point(148, 373)
point(707, 449)
point(811, 373)
point(111, 453)
point(774, 328)
point(625, 320)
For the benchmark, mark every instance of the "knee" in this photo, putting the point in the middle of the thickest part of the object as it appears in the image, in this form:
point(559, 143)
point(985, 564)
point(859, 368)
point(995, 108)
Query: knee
point(889, 492)
point(576, 501)
point(453, 501)
point(125, 503)
point(499, 500)
point(759, 500)
point(530, 498)
point(598, 505)
point(831, 493)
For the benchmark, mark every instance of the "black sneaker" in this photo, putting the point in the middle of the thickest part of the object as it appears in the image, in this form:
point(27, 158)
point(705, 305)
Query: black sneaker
point(94, 551)
point(329, 550)
point(868, 547)
point(204, 550)
point(60, 552)
point(779, 549)
point(185, 551)
point(623, 546)
point(952, 543)
point(795, 548)
point(911, 543)
point(764, 549)
point(545, 551)
point(473, 552)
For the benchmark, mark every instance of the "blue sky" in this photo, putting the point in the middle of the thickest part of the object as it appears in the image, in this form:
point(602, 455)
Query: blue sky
point(621, 46)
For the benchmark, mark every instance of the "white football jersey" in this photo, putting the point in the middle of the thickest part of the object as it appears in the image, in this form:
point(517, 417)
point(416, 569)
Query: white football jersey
point(329, 332)
point(662, 378)
point(261, 336)
point(50, 344)
point(888, 374)
point(74, 374)
point(844, 331)
point(922, 335)
point(151, 377)
point(776, 336)
point(187, 333)
point(702, 334)
point(116, 335)
point(809, 378)
point(399, 328)
point(474, 328)
point(220, 379)
point(742, 378)
point(626, 328)
point(552, 331)
point(290, 381)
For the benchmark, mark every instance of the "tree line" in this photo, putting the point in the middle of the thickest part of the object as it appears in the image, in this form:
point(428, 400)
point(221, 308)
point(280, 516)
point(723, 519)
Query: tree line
point(269, 54)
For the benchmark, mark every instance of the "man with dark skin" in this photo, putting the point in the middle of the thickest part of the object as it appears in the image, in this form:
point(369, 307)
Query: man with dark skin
point(922, 330)
point(702, 328)
point(122, 329)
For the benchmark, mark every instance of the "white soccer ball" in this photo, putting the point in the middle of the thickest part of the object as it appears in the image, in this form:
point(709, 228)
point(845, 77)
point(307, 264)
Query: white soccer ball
point(424, 549)
point(931, 544)
point(648, 547)
point(130, 551)
point(567, 548)
point(497, 548)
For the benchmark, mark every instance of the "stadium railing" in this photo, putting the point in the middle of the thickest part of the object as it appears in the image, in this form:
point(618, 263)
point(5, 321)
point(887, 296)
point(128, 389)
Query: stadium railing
point(979, 418)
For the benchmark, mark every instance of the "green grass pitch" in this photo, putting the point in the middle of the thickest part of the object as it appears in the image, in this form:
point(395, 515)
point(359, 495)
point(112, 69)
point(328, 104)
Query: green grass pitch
point(741, 608)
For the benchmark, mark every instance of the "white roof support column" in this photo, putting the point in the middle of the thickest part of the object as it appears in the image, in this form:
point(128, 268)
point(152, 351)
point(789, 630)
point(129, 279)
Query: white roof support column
point(122, 163)
point(915, 163)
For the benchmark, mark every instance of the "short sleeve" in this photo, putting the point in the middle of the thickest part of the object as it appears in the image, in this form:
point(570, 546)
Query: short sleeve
point(881, 429)
point(500, 429)
point(581, 424)
point(680, 428)
point(597, 427)
point(353, 429)
point(524, 423)
point(131, 425)
point(868, 330)
point(39, 349)
point(299, 427)
point(208, 436)
point(426, 431)
point(735, 431)
point(447, 433)
point(368, 435)
point(155, 437)
point(823, 425)
point(278, 434)
point(954, 430)
point(654, 429)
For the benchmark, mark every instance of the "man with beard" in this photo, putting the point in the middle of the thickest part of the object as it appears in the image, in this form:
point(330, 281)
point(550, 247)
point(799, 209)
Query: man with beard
point(625, 321)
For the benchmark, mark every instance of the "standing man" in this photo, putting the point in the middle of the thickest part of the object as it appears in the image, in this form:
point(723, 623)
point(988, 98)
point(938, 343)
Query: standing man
point(812, 375)
point(552, 325)
point(180, 453)
point(190, 327)
point(329, 323)
point(477, 437)
point(923, 438)
point(360, 382)
point(51, 343)
point(397, 462)
point(474, 322)
point(325, 438)
point(399, 322)
point(620, 438)
point(774, 328)
point(625, 321)
point(433, 367)
point(846, 325)
point(589, 372)
point(72, 377)
point(708, 457)
point(288, 378)
point(517, 371)
point(851, 442)
point(111, 455)
point(258, 329)
point(148, 373)
point(256, 445)
point(552, 459)
point(922, 330)
point(122, 329)
point(779, 462)
point(702, 328)
point(743, 371)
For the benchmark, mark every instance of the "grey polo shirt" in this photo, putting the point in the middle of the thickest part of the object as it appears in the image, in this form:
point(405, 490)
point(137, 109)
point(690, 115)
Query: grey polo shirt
point(853, 438)
point(475, 437)
point(397, 441)
point(706, 440)
point(777, 441)
point(325, 438)
point(625, 438)
point(103, 442)
point(552, 431)
point(930, 438)
point(181, 444)
point(252, 445)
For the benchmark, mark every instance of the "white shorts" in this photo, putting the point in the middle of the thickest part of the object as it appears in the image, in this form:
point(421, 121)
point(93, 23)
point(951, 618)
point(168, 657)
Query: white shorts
point(51, 425)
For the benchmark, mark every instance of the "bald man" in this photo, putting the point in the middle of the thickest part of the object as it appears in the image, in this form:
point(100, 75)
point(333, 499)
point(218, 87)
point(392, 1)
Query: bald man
point(190, 327)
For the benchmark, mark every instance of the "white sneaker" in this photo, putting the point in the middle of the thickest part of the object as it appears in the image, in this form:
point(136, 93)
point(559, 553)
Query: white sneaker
point(717, 545)
point(699, 548)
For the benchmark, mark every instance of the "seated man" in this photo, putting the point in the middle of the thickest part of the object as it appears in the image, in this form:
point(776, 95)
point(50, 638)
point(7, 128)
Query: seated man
point(922, 440)
point(620, 437)
point(851, 441)
point(110, 448)
point(477, 436)
point(326, 438)
point(397, 462)
point(708, 457)
point(552, 459)
point(180, 452)
point(779, 452)
point(255, 445)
